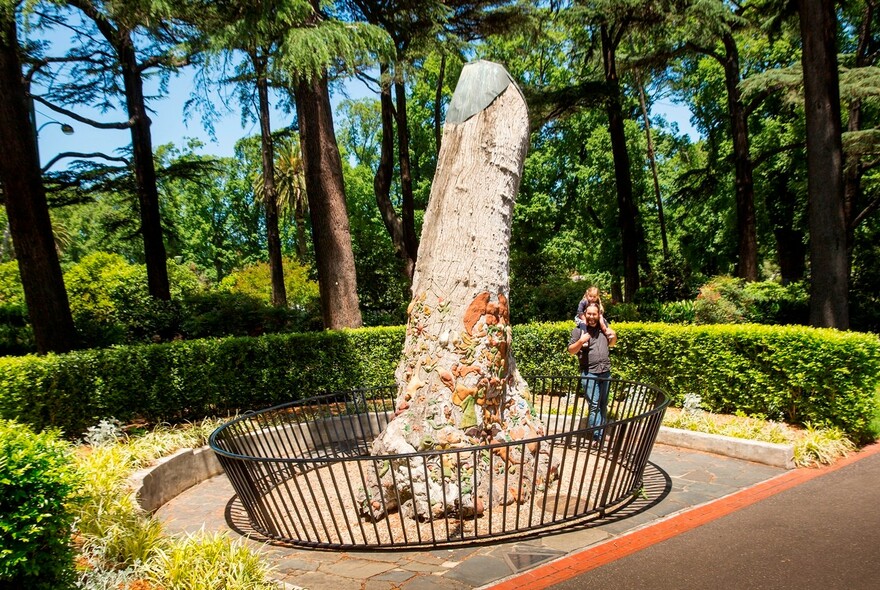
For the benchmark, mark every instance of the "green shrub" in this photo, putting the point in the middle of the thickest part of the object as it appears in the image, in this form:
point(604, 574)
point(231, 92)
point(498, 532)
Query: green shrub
point(91, 286)
point(111, 304)
point(864, 283)
point(11, 291)
point(772, 303)
point(677, 312)
point(192, 379)
point(794, 373)
point(224, 313)
point(623, 312)
point(16, 334)
point(552, 301)
point(37, 482)
point(727, 300)
point(720, 302)
point(255, 281)
point(669, 280)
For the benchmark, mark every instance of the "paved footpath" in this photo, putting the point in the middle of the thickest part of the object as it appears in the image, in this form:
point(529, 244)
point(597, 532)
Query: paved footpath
point(676, 481)
point(810, 528)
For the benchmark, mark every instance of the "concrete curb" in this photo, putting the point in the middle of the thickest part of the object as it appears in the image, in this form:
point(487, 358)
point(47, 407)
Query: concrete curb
point(174, 474)
point(776, 455)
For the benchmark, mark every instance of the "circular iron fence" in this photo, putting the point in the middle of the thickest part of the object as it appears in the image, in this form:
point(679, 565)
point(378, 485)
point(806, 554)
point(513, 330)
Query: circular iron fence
point(298, 468)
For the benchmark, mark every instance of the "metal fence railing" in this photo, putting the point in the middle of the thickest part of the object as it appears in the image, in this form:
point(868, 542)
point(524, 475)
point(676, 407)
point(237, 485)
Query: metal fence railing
point(299, 468)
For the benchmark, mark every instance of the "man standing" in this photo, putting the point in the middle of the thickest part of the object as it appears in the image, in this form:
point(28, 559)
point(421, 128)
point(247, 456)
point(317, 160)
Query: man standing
point(591, 345)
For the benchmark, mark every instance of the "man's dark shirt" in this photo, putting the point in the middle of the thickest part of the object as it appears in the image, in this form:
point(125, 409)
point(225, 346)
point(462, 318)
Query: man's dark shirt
point(593, 355)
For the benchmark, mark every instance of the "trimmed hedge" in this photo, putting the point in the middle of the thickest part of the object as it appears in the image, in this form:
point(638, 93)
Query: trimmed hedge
point(192, 379)
point(789, 373)
point(796, 373)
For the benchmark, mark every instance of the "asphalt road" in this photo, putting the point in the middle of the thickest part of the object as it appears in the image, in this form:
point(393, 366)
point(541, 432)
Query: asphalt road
point(823, 533)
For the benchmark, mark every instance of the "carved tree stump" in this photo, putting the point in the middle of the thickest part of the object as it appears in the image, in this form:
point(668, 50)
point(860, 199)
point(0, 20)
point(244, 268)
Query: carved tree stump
point(458, 385)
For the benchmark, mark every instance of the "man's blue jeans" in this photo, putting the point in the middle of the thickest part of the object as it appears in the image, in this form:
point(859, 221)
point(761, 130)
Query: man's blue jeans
point(595, 387)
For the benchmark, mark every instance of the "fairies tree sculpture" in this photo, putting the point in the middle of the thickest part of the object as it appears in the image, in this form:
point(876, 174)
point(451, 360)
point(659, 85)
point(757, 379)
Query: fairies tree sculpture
point(458, 385)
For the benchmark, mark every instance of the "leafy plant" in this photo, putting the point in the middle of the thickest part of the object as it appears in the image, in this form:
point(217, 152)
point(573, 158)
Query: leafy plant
point(111, 304)
point(207, 562)
point(727, 300)
point(120, 544)
point(37, 485)
point(93, 574)
point(108, 523)
point(623, 312)
point(16, 333)
point(812, 445)
point(254, 280)
point(821, 446)
point(11, 291)
point(105, 432)
point(677, 312)
point(552, 300)
point(224, 313)
point(720, 302)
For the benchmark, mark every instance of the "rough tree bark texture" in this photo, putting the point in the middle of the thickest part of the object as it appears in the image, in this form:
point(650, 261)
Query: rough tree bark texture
point(829, 266)
point(457, 381)
point(325, 190)
point(26, 207)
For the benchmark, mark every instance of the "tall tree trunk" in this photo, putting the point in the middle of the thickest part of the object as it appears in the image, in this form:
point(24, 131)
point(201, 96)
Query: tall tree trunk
point(299, 217)
point(653, 161)
point(438, 103)
point(458, 385)
point(331, 234)
point(144, 171)
point(782, 205)
point(746, 225)
point(628, 211)
point(26, 206)
point(384, 174)
point(828, 228)
point(270, 196)
point(407, 208)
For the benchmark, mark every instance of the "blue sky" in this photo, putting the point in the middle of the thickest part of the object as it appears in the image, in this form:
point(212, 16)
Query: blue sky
point(171, 125)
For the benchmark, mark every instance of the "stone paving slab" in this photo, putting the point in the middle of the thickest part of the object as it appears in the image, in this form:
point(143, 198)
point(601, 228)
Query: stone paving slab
point(676, 479)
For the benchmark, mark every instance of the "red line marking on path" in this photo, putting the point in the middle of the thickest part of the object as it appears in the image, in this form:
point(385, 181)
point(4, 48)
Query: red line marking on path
point(572, 565)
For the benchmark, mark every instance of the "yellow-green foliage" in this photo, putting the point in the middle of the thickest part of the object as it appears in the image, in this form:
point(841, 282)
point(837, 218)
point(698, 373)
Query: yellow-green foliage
point(208, 562)
point(110, 300)
point(821, 446)
point(117, 536)
point(11, 291)
point(738, 427)
point(812, 446)
point(109, 522)
point(255, 281)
